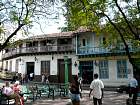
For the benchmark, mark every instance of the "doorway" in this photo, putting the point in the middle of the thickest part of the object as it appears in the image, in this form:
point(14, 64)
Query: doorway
point(61, 70)
point(86, 71)
point(30, 67)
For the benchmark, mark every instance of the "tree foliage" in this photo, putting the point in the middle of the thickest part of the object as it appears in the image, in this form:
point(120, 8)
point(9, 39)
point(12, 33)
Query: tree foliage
point(120, 18)
point(19, 15)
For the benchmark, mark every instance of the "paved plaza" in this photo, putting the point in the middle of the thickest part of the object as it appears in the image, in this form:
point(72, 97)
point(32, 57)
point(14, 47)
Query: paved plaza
point(110, 98)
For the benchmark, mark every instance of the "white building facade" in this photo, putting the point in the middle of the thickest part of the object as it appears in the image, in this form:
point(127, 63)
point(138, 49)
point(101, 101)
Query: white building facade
point(85, 56)
point(43, 55)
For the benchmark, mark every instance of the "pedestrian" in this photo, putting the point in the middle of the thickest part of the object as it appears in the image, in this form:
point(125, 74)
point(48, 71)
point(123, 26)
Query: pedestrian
point(20, 78)
point(97, 87)
point(17, 76)
point(47, 78)
point(23, 78)
point(31, 76)
point(13, 79)
point(80, 80)
point(26, 78)
point(133, 89)
point(74, 91)
point(43, 78)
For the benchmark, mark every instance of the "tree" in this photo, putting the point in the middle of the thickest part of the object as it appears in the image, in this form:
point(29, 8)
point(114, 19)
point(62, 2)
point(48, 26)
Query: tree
point(120, 18)
point(19, 15)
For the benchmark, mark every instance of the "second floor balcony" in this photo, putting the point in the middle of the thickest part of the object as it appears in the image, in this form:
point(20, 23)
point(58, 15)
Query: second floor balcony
point(103, 50)
point(38, 49)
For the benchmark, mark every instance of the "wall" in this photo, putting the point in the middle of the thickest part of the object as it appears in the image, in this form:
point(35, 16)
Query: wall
point(113, 80)
point(53, 63)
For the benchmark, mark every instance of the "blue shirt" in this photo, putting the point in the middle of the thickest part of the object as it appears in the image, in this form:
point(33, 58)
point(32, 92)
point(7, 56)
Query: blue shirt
point(133, 83)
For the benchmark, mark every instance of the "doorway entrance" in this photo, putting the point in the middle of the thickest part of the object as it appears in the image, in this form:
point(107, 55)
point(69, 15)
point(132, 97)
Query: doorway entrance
point(30, 67)
point(86, 71)
point(61, 70)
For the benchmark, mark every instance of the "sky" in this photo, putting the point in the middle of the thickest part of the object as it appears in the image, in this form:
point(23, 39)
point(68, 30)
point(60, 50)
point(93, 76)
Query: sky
point(48, 28)
point(48, 25)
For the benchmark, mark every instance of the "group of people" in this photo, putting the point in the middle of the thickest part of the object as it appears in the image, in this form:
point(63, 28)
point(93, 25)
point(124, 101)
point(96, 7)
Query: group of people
point(13, 92)
point(96, 88)
point(45, 78)
point(23, 78)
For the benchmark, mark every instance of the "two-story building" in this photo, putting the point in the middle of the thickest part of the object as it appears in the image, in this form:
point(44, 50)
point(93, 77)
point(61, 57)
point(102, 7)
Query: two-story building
point(43, 54)
point(82, 51)
point(110, 62)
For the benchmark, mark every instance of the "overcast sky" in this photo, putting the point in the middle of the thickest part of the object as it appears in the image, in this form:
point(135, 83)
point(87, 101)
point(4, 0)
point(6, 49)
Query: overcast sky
point(50, 27)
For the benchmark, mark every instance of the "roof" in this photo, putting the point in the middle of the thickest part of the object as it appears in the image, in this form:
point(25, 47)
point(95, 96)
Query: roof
point(53, 35)
point(59, 35)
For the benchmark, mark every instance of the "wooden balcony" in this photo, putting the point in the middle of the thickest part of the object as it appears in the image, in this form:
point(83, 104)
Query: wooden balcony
point(39, 49)
point(102, 50)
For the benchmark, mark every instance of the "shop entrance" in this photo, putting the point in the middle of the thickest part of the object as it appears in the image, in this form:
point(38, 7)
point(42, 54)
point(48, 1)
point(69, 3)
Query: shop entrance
point(86, 71)
point(30, 67)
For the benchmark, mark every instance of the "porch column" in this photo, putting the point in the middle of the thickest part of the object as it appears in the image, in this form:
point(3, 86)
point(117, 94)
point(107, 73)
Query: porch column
point(66, 69)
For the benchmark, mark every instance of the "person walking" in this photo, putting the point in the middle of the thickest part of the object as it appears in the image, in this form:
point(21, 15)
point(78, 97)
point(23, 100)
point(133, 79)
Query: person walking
point(97, 87)
point(80, 83)
point(31, 76)
point(43, 78)
point(47, 78)
point(74, 91)
point(133, 84)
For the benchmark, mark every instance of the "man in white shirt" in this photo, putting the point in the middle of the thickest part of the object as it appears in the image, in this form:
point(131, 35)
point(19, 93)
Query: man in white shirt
point(97, 88)
point(31, 76)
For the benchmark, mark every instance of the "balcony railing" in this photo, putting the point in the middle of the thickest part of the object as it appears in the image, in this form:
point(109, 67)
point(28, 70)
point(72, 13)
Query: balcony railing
point(103, 50)
point(39, 49)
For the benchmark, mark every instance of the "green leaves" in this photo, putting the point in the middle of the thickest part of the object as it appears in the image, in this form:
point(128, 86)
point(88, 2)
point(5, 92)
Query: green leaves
point(27, 21)
point(14, 17)
point(1, 30)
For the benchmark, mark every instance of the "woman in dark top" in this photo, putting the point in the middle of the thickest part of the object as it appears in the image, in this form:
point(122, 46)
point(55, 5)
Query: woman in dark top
point(74, 91)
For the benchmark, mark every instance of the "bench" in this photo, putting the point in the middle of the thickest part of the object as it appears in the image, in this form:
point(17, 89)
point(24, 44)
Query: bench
point(51, 89)
point(29, 92)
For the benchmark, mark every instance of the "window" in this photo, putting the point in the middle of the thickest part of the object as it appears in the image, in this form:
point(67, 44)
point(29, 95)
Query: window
point(43, 43)
point(45, 67)
point(17, 65)
point(10, 65)
point(103, 69)
point(84, 42)
point(104, 40)
point(6, 66)
point(50, 42)
point(121, 69)
point(65, 41)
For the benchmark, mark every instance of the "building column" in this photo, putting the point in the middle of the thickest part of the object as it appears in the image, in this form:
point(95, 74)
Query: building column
point(66, 69)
